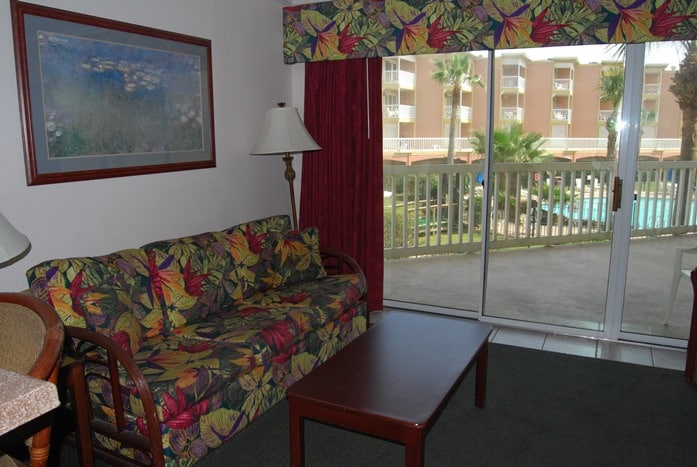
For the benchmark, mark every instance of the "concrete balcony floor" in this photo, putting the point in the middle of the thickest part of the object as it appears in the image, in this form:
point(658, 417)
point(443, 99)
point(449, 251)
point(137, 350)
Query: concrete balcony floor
point(554, 285)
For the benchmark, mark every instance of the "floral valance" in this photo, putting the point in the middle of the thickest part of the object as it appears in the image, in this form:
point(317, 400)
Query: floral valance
point(344, 29)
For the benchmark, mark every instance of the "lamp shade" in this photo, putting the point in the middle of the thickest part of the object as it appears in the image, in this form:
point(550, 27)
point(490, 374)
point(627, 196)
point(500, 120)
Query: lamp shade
point(12, 242)
point(283, 132)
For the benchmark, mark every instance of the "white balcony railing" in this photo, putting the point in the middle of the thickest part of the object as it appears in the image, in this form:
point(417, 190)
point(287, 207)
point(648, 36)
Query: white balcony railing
point(563, 85)
point(418, 145)
point(404, 79)
point(652, 89)
point(513, 82)
point(512, 113)
point(439, 208)
point(401, 112)
point(561, 114)
point(465, 112)
point(604, 115)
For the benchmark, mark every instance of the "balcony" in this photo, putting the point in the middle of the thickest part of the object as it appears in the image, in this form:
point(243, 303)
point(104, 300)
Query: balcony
point(513, 84)
point(465, 112)
point(399, 78)
point(512, 113)
point(604, 115)
point(551, 203)
point(399, 112)
point(652, 89)
point(561, 115)
point(563, 86)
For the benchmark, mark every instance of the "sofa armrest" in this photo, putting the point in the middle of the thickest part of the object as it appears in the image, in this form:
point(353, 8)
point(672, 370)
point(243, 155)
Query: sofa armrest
point(337, 262)
point(97, 349)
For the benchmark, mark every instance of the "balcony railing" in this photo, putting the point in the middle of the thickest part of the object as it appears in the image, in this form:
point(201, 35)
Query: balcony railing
point(401, 112)
point(426, 145)
point(404, 79)
point(512, 113)
point(561, 114)
point(513, 82)
point(437, 209)
point(563, 84)
point(465, 112)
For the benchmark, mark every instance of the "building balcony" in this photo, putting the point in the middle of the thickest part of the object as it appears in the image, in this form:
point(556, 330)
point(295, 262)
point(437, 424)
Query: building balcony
point(563, 115)
point(399, 79)
point(652, 89)
point(514, 84)
point(465, 113)
point(402, 113)
point(512, 113)
point(420, 227)
point(563, 86)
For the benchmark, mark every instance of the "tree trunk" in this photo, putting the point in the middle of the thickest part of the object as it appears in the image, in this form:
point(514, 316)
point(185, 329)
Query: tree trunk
point(450, 188)
point(688, 152)
point(454, 119)
point(611, 126)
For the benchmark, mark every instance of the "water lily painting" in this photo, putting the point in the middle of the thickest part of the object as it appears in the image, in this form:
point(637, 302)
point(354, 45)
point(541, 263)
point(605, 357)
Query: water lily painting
point(104, 99)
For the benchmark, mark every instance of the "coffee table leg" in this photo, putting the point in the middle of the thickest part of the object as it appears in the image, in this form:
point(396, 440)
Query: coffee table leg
point(480, 384)
point(297, 436)
point(415, 448)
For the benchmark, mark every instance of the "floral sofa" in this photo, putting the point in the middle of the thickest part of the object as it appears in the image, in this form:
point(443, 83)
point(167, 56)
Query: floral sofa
point(184, 342)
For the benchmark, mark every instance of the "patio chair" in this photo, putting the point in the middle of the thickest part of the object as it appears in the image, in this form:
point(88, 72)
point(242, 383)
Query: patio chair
point(679, 272)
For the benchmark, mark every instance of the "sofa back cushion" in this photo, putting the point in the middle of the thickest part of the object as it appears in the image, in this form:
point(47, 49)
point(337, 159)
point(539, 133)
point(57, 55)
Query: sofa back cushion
point(200, 275)
point(250, 246)
point(105, 294)
point(191, 276)
point(296, 256)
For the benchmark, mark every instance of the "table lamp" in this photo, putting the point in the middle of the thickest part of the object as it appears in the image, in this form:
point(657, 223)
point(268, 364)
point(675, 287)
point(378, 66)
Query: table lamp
point(283, 133)
point(12, 242)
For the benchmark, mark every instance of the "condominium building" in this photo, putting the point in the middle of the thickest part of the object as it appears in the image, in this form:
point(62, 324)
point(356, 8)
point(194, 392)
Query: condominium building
point(558, 97)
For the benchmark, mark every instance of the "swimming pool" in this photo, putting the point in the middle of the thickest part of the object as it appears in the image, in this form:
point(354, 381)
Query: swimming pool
point(646, 213)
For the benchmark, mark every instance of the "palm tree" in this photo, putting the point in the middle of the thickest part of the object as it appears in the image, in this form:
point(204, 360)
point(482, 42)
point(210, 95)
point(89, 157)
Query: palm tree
point(512, 145)
point(611, 90)
point(684, 88)
point(455, 71)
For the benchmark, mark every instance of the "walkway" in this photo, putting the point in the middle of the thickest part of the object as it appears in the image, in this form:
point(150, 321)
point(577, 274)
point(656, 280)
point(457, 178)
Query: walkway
point(561, 285)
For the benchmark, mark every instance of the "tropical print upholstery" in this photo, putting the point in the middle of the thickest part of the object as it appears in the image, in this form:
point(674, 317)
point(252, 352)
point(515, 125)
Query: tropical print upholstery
point(219, 324)
point(345, 29)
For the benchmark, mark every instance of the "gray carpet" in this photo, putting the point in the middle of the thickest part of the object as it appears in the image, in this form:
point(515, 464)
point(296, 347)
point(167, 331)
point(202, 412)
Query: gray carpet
point(543, 409)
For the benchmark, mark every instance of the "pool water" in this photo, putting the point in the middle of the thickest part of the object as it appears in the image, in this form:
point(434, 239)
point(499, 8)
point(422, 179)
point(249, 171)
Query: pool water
point(646, 213)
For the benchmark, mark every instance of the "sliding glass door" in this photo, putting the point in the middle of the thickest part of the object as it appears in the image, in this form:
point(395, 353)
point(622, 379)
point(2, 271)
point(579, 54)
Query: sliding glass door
point(559, 203)
point(554, 158)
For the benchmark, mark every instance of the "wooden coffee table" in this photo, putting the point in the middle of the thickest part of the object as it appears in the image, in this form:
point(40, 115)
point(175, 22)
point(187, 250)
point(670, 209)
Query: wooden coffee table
point(393, 381)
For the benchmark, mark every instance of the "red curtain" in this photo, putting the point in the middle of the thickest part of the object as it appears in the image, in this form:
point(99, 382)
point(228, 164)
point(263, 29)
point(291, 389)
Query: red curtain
point(341, 190)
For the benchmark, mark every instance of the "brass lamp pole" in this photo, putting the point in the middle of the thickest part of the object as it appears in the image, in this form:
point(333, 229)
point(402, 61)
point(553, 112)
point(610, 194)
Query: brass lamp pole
point(283, 133)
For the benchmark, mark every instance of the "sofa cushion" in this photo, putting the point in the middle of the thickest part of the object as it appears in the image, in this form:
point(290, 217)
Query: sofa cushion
point(332, 293)
point(108, 311)
point(273, 320)
point(249, 245)
point(60, 282)
point(183, 372)
point(190, 275)
point(109, 294)
point(296, 256)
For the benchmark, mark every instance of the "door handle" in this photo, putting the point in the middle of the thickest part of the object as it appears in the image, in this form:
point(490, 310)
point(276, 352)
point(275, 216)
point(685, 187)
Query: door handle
point(617, 194)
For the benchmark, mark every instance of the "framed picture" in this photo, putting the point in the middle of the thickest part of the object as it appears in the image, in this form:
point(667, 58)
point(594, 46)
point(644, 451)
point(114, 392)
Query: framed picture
point(102, 98)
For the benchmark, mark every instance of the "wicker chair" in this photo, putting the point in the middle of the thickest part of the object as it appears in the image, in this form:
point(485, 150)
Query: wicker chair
point(31, 342)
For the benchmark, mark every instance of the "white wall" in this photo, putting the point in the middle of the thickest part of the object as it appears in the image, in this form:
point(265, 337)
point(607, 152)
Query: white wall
point(99, 216)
